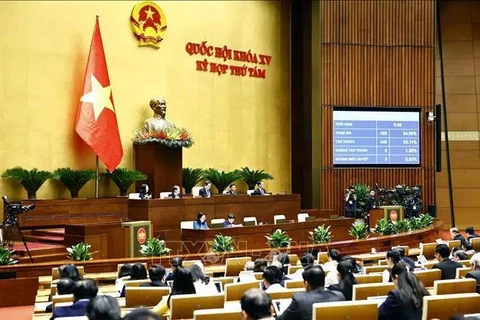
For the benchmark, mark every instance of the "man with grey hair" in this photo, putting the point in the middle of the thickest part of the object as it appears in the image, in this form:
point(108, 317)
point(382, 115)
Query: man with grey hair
point(475, 267)
point(456, 235)
point(256, 305)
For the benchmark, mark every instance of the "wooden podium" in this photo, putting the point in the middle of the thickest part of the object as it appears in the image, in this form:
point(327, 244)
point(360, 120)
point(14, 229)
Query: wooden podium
point(162, 165)
point(375, 215)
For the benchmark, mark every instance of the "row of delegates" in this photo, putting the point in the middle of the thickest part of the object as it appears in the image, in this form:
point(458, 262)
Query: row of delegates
point(69, 275)
point(201, 221)
point(206, 190)
point(465, 244)
point(137, 271)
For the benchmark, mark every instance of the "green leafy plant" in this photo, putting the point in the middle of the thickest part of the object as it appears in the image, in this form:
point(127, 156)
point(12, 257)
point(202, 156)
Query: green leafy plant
point(401, 226)
point(221, 243)
point(220, 179)
point(31, 180)
point(384, 227)
point(278, 239)
point(154, 248)
point(124, 178)
point(190, 178)
point(251, 177)
point(321, 234)
point(426, 220)
point(362, 192)
point(80, 252)
point(415, 223)
point(359, 231)
point(73, 180)
point(6, 257)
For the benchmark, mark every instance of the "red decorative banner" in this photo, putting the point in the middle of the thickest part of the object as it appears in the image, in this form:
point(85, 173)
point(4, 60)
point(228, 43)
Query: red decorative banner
point(228, 54)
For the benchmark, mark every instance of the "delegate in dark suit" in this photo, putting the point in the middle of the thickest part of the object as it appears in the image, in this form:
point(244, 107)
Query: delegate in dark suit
point(301, 306)
point(77, 309)
point(474, 275)
point(448, 268)
point(393, 308)
point(204, 193)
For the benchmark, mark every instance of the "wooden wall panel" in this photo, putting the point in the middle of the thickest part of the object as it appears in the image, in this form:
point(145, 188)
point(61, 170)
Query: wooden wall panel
point(377, 53)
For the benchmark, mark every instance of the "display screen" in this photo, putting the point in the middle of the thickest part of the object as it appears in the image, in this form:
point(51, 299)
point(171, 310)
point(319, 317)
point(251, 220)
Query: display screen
point(376, 137)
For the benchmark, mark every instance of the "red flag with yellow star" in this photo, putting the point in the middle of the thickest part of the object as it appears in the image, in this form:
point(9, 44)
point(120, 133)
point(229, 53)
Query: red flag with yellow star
point(96, 119)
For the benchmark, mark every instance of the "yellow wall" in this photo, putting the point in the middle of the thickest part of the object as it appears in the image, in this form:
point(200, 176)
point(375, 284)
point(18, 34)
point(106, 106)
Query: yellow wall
point(235, 121)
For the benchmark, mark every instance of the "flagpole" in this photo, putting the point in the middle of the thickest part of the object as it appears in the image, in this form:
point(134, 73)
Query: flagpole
point(96, 177)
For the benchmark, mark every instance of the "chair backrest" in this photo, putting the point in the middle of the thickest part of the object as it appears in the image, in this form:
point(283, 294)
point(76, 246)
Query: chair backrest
point(279, 218)
point(135, 283)
point(144, 296)
point(322, 257)
point(429, 264)
point(249, 192)
point(373, 269)
point(196, 191)
point(365, 290)
point(291, 284)
point(186, 225)
point(235, 291)
point(462, 272)
point(164, 195)
point(302, 217)
point(217, 314)
point(444, 306)
point(293, 259)
point(352, 310)
point(453, 286)
point(465, 263)
point(61, 298)
point(369, 278)
point(250, 221)
point(223, 281)
point(56, 275)
point(183, 306)
point(119, 266)
point(233, 266)
point(453, 243)
point(135, 196)
point(428, 276)
point(406, 248)
point(428, 250)
point(475, 244)
point(258, 275)
point(188, 263)
point(293, 269)
point(285, 294)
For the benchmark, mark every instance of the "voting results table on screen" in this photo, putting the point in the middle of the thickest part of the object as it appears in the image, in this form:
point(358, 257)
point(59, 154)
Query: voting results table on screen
point(376, 138)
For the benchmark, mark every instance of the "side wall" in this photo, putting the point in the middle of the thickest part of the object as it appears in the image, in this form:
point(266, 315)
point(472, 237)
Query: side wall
point(235, 121)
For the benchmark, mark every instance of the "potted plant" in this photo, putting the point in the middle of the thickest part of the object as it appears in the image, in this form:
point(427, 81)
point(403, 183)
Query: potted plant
point(6, 257)
point(400, 226)
point(73, 180)
point(221, 243)
point(384, 227)
point(251, 177)
point(220, 179)
point(426, 220)
point(154, 247)
point(80, 252)
point(278, 239)
point(190, 178)
point(321, 235)
point(31, 180)
point(415, 223)
point(359, 231)
point(124, 178)
point(362, 192)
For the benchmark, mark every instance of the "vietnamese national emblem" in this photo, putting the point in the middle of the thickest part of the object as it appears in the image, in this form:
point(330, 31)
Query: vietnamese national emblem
point(149, 23)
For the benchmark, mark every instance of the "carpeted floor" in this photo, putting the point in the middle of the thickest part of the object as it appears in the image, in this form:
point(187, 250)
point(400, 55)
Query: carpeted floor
point(16, 313)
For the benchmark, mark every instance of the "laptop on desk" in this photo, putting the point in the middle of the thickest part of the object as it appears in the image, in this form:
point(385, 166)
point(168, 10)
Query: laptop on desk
point(216, 225)
point(278, 221)
point(248, 223)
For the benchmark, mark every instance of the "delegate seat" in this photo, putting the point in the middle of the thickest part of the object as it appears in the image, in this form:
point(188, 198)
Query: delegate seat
point(428, 250)
point(365, 290)
point(293, 269)
point(453, 243)
point(369, 278)
point(322, 257)
point(462, 272)
point(223, 281)
point(233, 266)
point(351, 310)
point(375, 269)
point(427, 277)
point(183, 306)
point(444, 306)
point(454, 286)
point(279, 218)
point(144, 296)
point(293, 259)
point(475, 244)
point(61, 299)
point(235, 291)
point(291, 284)
point(285, 294)
point(135, 283)
point(217, 314)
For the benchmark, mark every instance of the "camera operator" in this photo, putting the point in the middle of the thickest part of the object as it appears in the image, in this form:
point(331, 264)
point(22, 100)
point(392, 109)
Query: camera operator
point(372, 202)
point(350, 203)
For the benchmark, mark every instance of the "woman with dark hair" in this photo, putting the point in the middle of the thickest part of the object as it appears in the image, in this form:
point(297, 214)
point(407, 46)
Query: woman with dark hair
point(260, 265)
point(139, 272)
point(405, 302)
point(182, 284)
point(346, 279)
point(393, 258)
point(200, 222)
point(123, 274)
point(357, 269)
point(69, 271)
point(202, 283)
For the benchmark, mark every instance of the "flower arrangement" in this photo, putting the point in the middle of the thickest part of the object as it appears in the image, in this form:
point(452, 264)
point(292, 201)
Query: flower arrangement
point(174, 137)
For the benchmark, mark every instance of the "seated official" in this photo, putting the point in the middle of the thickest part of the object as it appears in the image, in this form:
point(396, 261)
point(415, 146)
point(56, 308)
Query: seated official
point(182, 284)
point(139, 272)
point(104, 307)
point(447, 266)
point(64, 286)
point(206, 191)
point(301, 306)
point(231, 190)
point(272, 277)
point(201, 282)
point(406, 300)
point(470, 235)
point(230, 221)
point(405, 259)
point(259, 265)
point(475, 267)
point(256, 305)
point(456, 235)
point(176, 193)
point(200, 222)
point(346, 279)
point(334, 258)
point(175, 263)
point(306, 260)
point(157, 277)
point(69, 271)
point(260, 190)
point(84, 291)
point(393, 258)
